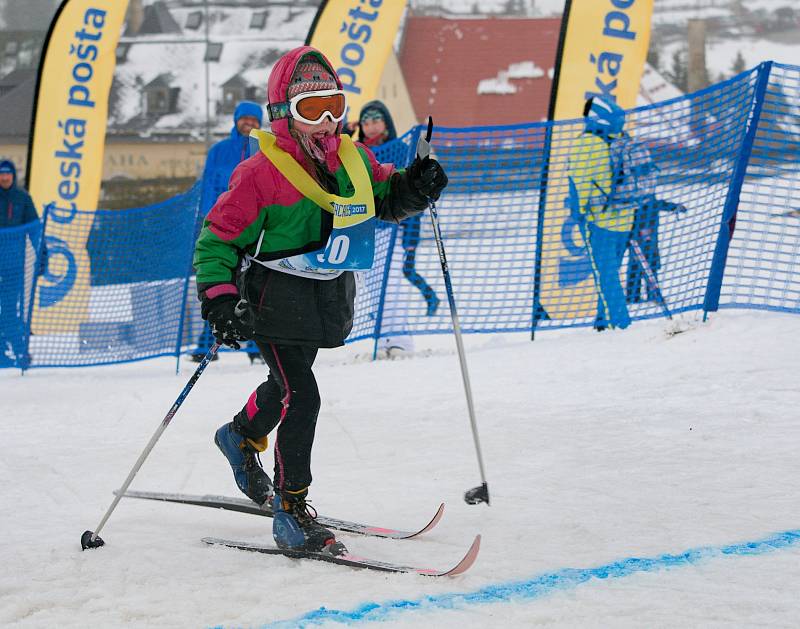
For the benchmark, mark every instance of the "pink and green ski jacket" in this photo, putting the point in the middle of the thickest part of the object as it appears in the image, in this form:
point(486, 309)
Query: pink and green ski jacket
point(287, 308)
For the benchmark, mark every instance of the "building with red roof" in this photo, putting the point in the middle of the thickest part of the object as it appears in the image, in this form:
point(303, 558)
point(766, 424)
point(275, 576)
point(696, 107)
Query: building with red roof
point(476, 72)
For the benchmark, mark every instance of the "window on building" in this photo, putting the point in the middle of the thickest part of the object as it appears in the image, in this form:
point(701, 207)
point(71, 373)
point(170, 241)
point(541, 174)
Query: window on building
point(230, 97)
point(158, 101)
point(194, 20)
point(213, 52)
point(28, 55)
point(258, 20)
point(12, 47)
point(122, 52)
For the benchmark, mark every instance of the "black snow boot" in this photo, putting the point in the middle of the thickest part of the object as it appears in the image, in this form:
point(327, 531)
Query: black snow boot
point(294, 525)
point(242, 454)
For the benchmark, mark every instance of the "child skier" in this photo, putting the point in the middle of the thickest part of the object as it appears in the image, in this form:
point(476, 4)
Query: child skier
point(274, 264)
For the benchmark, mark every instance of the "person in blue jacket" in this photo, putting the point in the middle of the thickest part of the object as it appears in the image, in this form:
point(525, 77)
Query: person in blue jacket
point(221, 161)
point(16, 209)
point(602, 206)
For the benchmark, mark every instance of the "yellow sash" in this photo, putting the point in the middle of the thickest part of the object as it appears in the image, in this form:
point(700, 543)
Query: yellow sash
point(305, 184)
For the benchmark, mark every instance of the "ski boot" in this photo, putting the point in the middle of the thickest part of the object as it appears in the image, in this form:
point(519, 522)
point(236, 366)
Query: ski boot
point(242, 454)
point(255, 359)
point(254, 354)
point(294, 526)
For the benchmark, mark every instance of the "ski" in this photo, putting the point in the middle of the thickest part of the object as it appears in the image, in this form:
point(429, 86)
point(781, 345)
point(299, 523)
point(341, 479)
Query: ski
point(354, 561)
point(243, 505)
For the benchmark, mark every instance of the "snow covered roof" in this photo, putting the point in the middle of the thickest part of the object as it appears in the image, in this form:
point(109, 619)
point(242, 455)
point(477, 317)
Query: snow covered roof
point(482, 71)
point(479, 71)
point(655, 88)
point(158, 19)
point(162, 80)
point(236, 81)
point(250, 48)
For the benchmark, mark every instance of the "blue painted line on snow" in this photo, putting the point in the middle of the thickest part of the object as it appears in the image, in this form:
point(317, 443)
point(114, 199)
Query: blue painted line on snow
point(538, 586)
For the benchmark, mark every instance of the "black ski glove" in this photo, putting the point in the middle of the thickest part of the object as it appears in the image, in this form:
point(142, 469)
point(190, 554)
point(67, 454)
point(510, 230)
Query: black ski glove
point(227, 327)
point(411, 190)
point(427, 177)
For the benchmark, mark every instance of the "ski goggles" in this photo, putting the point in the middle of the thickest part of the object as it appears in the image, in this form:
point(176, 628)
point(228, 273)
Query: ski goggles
point(370, 115)
point(311, 107)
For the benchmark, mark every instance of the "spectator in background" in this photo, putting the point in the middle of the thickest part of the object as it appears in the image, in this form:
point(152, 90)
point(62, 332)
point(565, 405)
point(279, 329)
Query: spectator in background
point(16, 209)
point(222, 159)
point(605, 217)
point(639, 182)
point(375, 124)
point(376, 127)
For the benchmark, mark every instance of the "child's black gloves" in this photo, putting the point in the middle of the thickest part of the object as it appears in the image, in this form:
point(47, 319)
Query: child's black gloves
point(427, 177)
point(227, 327)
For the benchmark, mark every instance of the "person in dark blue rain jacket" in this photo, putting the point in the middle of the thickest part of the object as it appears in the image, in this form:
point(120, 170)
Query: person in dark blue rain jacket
point(375, 128)
point(16, 209)
point(221, 161)
point(227, 154)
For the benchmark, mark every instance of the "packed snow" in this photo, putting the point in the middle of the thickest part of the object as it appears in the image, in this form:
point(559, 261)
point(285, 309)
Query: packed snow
point(638, 478)
point(599, 448)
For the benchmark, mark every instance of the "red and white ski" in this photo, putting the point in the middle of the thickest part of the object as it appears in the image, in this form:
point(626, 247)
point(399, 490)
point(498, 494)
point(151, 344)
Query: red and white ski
point(354, 561)
point(243, 505)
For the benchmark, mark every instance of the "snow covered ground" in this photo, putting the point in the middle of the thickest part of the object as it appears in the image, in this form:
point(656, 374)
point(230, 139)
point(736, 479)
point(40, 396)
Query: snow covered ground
point(600, 448)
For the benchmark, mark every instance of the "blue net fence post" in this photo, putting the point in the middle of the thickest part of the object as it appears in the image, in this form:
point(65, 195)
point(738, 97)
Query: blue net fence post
point(20, 259)
point(387, 267)
point(380, 281)
point(538, 312)
point(187, 280)
point(32, 296)
point(182, 322)
point(763, 265)
point(728, 222)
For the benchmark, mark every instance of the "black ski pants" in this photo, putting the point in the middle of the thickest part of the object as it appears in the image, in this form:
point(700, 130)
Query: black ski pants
point(289, 399)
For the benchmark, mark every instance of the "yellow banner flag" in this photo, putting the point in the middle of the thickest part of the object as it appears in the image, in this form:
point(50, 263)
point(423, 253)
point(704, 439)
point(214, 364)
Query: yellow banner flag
point(65, 160)
point(602, 53)
point(357, 38)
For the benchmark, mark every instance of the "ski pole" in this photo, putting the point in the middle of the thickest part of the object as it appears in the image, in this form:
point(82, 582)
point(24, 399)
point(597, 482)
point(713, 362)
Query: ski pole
point(652, 282)
point(481, 493)
point(91, 539)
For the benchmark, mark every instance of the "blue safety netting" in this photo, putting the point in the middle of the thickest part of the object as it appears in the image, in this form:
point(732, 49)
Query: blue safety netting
point(723, 231)
point(122, 296)
point(18, 255)
point(763, 265)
